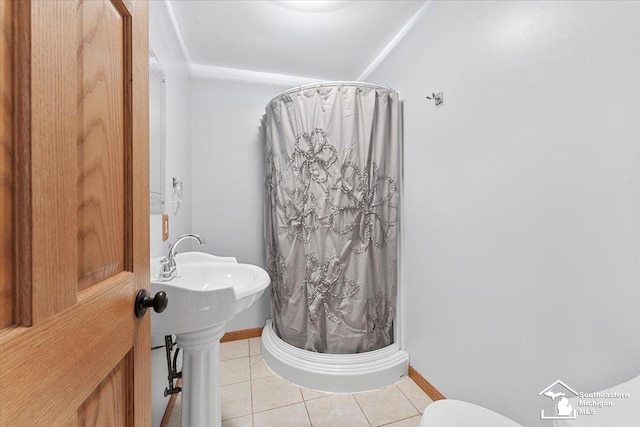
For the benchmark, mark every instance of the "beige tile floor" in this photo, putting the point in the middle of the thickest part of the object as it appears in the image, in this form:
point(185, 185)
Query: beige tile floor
point(253, 396)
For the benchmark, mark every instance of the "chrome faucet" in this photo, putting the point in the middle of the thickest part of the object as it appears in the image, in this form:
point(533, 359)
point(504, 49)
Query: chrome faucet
point(168, 263)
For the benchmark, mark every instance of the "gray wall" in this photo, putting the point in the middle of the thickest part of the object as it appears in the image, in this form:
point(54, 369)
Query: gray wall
point(228, 175)
point(522, 198)
point(165, 45)
point(522, 192)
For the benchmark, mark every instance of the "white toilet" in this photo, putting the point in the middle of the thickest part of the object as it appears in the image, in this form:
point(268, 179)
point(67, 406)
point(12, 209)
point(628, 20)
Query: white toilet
point(624, 413)
point(456, 413)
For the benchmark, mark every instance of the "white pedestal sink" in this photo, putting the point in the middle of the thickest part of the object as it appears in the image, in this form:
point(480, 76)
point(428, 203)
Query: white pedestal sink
point(207, 292)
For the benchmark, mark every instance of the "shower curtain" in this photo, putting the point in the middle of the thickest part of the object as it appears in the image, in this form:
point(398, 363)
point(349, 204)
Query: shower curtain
point(331, 216)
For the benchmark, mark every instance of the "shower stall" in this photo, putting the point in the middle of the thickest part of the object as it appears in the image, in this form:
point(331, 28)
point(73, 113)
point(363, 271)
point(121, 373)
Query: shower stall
point(332, 231)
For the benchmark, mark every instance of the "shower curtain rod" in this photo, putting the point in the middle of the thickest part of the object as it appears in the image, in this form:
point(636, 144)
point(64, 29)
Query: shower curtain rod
point(329, 84)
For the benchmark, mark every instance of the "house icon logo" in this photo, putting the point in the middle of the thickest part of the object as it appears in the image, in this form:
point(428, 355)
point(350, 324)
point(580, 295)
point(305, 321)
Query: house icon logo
point(558, 392)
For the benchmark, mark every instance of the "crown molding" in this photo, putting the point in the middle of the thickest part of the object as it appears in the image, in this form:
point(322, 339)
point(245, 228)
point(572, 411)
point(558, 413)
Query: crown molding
point(224, 73)
point(393, 43)
point(236, 74)
point(176, 29)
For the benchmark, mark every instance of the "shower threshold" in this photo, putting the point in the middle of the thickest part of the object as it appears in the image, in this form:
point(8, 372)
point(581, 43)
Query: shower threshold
point(334, 373)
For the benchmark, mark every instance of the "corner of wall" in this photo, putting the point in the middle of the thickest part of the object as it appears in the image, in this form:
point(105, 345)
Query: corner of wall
point(393, 43)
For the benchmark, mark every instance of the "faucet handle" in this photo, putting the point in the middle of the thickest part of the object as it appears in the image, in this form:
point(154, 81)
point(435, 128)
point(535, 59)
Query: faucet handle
point(166, 268)
point(165, 264)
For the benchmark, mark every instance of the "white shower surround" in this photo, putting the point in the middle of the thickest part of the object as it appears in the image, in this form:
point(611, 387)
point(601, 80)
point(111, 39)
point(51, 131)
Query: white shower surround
point(344, 373)
point(347, 373)
point(334, 373)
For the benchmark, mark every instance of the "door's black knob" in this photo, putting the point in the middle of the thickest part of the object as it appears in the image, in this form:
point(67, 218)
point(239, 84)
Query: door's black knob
point(143, 301)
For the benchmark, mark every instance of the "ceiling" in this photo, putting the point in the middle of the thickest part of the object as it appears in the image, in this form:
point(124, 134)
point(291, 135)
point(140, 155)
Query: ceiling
point(327, 40)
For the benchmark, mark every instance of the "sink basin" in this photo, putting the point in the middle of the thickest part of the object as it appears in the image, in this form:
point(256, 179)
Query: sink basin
point(208, 290)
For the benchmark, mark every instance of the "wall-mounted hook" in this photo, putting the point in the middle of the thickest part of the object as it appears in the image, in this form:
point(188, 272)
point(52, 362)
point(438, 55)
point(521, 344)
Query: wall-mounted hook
point(438, 97)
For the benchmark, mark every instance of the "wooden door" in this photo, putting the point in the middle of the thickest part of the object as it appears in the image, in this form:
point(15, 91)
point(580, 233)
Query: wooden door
point(74, 230)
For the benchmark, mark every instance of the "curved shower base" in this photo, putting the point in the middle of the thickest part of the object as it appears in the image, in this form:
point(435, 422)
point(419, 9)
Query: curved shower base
point(334, 373)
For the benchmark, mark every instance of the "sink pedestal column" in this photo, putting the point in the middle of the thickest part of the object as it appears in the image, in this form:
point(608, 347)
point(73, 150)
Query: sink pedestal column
point(201, 400)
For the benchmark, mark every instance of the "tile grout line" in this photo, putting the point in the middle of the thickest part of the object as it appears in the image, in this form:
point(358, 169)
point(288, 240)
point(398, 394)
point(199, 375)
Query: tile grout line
point(251, 398)
point(237, 382)
point(304, 400)
point(240, 381)
point(397, 421)
point(279, 407)
point(410, 401)
point(235, 357)
point(361, 410)
point(253, 422)
point(306, 409)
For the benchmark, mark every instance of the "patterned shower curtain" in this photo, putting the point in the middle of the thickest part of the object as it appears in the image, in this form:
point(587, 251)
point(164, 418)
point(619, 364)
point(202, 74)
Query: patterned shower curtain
point(331, 219)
